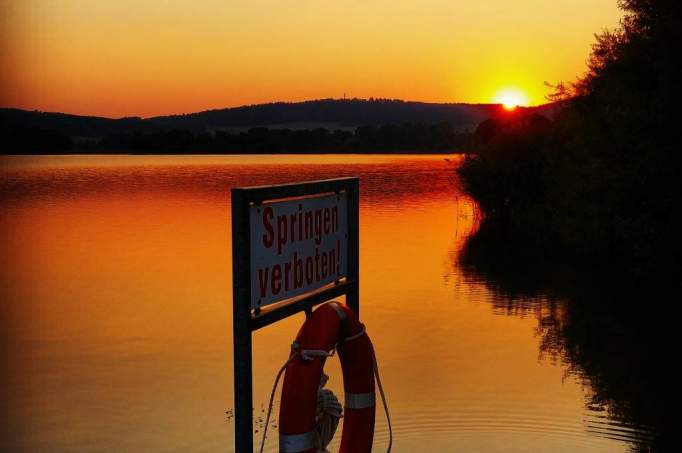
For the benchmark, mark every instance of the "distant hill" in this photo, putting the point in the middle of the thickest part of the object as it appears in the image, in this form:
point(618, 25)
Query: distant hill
point(331, 114)
point(70, 125)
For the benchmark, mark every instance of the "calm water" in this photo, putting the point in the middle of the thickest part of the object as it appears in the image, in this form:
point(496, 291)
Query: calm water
point(116, 312)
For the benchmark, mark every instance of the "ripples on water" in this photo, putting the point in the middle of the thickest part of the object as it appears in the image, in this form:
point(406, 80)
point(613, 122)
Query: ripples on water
point(116, 316)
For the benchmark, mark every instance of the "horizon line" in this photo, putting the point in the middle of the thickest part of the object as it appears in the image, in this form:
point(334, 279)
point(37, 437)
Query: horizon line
point(370, 99)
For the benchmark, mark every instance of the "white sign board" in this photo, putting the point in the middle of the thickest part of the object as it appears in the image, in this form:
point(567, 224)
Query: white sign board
point(297, 246)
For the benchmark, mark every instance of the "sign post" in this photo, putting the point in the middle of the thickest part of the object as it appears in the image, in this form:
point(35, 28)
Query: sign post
point(294, 246)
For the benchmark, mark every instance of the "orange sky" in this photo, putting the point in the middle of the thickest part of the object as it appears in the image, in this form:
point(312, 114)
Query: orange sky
point(145, 57)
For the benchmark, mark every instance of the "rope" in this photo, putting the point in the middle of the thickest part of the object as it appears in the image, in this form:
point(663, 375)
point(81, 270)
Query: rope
point(329, 411)
point(328, 407)
point(383, 400)
point(310, 354)
point(272, 398)
point(357, 335)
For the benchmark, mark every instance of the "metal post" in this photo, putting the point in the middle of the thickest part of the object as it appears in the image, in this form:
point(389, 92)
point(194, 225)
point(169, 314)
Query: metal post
point(241, 318)
point(353, 198)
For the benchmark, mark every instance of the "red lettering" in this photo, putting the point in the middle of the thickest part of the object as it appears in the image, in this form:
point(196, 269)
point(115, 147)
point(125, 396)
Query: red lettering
point(276, 279)
point(298, 271)
point(268, 238)
point(287, 270)
point(309, 271)
point(317, 264)
point(318, 226)
point(293, 227)
point(338, 257)
point(308, 224)
point(300, 222)
point(335, 219)
point(327, 221)
point(332, 262)
point(324, 264)
point(263, 278)
point(281, 232)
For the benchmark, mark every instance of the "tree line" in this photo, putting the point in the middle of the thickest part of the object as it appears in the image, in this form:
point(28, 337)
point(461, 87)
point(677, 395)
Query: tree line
point(388, 138)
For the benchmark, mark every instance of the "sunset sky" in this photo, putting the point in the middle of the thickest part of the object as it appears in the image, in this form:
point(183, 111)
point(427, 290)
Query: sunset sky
point(146, 57)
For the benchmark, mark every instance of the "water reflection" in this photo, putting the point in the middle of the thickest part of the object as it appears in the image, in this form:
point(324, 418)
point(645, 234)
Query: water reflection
point(607, 331)
point(115, 314)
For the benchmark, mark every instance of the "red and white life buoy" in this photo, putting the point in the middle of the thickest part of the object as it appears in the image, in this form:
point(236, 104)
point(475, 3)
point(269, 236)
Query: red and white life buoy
point(332, 325)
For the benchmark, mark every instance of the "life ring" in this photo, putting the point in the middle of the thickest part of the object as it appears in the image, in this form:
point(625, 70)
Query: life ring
point(332, 325)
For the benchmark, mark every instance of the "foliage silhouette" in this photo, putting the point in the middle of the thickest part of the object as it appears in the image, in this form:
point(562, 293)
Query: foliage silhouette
point(387, 138)
point(603, 180)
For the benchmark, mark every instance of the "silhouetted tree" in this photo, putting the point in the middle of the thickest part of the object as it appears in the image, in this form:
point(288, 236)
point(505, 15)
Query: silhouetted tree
point(605, 181)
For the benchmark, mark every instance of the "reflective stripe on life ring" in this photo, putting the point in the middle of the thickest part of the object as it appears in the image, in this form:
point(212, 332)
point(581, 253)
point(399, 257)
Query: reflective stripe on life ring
point(296, 442)
point(359, 400)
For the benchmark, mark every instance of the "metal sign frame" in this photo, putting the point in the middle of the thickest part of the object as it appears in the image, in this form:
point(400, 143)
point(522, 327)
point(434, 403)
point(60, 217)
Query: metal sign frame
point(244, 320)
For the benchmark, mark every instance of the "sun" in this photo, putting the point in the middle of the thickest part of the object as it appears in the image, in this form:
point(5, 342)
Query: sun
point(510, 98)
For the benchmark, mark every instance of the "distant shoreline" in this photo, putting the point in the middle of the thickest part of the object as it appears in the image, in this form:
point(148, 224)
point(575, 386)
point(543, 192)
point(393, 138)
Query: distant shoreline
point(323, 126)
point(240, 153)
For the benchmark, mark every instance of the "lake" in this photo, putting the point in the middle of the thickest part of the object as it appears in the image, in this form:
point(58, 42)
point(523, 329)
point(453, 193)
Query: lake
point(116, 313)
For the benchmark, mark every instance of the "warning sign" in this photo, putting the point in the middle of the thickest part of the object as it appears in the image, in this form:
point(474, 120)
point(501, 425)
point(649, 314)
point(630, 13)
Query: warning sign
point(297, 246)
